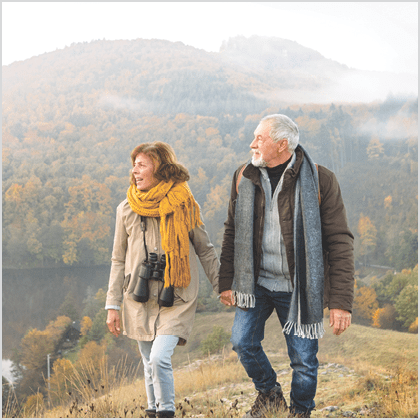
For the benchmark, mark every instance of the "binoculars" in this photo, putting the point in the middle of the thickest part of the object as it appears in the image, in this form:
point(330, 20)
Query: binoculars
point(152, 269)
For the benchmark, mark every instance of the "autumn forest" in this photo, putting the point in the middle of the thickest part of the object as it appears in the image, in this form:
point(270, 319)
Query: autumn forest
point(71, 118)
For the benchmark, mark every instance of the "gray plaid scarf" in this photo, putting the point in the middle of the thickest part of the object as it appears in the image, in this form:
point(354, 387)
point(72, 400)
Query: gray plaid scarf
point(306, 306)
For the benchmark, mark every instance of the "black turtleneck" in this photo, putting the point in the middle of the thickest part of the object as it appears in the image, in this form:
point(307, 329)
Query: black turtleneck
point(275, 174)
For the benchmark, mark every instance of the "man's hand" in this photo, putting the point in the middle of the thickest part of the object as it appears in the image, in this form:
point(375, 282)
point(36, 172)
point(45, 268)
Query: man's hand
point(113, 322)
point(226, 297)
point(340, 320)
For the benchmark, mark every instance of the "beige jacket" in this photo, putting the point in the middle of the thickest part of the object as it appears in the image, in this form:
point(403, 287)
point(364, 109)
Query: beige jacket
point(144, 321)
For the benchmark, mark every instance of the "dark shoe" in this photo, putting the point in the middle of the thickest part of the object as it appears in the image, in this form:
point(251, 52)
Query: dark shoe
point(268, 401)
point(165, 414)
point(299, 415)
point(151, 414)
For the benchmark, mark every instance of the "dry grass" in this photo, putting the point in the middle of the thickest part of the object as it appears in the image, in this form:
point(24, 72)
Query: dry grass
point(359, 376)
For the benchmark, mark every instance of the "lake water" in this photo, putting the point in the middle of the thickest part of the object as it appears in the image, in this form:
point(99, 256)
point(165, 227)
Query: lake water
point(31, 298)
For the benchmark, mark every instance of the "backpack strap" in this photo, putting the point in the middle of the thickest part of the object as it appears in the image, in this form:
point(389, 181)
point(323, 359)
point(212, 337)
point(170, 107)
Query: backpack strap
point(239, 178)
point(243, 168)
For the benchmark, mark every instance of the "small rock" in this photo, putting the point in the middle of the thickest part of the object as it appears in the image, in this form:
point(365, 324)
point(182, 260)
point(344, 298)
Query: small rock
point(330, 408)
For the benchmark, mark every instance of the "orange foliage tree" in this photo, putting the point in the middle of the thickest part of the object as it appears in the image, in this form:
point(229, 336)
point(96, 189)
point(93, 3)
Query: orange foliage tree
point(365, 304)
point(385, 317)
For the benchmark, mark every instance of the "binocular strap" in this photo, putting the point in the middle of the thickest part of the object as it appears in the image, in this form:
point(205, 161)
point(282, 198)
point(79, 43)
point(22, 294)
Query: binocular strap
point(143, 229)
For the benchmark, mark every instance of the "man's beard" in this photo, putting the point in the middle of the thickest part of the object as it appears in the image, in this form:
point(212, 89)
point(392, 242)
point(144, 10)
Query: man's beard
point(258, 162)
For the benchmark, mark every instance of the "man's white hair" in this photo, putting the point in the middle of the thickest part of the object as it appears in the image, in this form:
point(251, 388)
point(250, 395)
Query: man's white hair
point(282, 127)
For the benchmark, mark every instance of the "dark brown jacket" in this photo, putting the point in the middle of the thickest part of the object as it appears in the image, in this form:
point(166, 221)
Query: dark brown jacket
point(337, 239)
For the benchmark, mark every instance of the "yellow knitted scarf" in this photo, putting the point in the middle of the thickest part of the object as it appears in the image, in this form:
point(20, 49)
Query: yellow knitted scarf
point(179, 213)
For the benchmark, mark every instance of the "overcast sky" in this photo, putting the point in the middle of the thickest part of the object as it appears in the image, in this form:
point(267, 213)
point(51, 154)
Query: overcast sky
point(364, 35)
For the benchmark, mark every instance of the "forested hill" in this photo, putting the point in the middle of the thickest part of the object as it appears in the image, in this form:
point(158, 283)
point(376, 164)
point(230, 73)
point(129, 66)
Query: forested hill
point(71, 118)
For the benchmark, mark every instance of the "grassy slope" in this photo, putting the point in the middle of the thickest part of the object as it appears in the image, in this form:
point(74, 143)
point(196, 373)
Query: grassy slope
point(375, 370)
point(378, 349)
point(366, 372)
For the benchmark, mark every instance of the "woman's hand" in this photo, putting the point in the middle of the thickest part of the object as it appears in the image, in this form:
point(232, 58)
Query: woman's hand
point(226, 298)
point(113, 322)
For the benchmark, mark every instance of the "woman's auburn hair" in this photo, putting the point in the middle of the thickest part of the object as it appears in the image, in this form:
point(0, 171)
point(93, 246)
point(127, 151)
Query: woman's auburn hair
point(166, 166)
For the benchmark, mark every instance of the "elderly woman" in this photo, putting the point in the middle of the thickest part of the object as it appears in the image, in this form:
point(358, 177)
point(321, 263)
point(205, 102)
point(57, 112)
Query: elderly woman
point(158, 234)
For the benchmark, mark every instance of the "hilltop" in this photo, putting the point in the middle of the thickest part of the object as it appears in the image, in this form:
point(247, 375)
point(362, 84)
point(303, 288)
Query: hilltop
point(257, 69)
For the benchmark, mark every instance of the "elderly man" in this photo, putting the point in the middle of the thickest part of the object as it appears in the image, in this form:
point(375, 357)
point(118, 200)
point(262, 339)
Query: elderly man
point(287, 247)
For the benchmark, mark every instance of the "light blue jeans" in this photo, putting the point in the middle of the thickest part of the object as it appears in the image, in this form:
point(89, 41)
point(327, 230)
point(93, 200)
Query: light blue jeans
point(158, 374)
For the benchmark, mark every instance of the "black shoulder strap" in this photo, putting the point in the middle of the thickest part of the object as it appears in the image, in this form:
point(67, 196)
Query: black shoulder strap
point(143, 229)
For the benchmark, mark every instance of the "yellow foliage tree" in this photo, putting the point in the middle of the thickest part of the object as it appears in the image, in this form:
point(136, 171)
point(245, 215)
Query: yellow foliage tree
point(365, 303)
point(60, 381)
point(414, 327)
point(388, 202)
point(14, 194)
point(368, 235)
point(92, 362)
point(34, 405)
point(88, 215)
point(216, 200)
point(212, 132)
point(56, 328)
point(375, 149)
point(85, 325)
point(376, 316)
point(35, 346)
point(14, 206)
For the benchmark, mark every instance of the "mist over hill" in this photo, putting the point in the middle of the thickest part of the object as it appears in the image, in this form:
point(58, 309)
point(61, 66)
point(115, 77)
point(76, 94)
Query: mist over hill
point(298, 74)
point(256, 69)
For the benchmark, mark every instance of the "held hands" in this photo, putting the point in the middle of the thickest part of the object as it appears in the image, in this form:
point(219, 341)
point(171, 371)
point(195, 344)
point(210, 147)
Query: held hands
point(226, 298)
point(113, 322)
point(340, 320)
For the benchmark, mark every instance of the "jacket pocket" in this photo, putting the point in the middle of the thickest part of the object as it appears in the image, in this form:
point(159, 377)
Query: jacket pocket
point(131, 285)
point(182, 293)
point(187, 293)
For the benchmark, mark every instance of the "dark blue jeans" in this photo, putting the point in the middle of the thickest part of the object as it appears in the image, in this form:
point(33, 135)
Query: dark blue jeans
point(247, 334)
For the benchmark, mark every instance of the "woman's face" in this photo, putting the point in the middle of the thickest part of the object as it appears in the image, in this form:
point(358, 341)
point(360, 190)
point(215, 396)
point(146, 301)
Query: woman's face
point(143, 172)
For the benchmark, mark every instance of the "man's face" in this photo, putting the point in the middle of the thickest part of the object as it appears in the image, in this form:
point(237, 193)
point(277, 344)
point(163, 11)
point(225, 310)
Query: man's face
point(265, 152)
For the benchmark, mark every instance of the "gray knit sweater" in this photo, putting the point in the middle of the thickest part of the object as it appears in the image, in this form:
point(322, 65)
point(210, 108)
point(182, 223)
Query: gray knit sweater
point(274, 270)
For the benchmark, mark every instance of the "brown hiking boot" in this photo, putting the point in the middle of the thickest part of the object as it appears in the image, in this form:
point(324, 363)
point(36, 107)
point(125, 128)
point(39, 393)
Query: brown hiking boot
point(268, 401)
